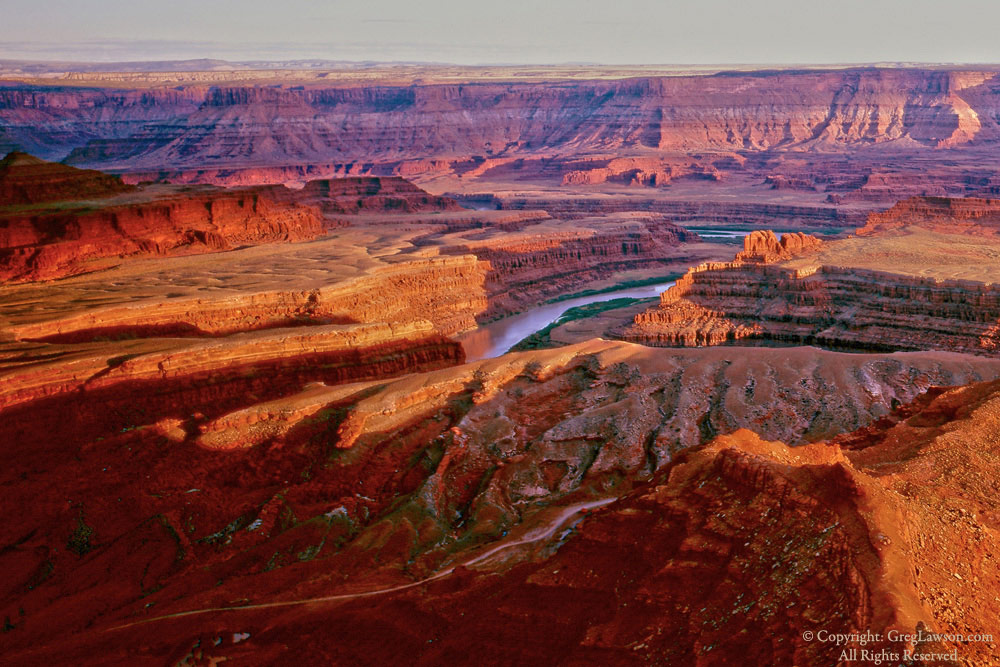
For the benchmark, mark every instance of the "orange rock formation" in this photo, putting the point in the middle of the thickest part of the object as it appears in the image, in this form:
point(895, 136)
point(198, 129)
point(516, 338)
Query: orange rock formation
point(458, 494)
point(59, 240)
point(818, 303)
point(971, 215)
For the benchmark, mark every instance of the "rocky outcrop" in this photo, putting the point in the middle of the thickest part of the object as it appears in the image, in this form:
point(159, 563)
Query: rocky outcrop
point(435, 495)
point(974, 216)
point(762, 297)
point(764, 247)
point(26, 180)
point(66, 238)
point(650, 172)
point(743, 553)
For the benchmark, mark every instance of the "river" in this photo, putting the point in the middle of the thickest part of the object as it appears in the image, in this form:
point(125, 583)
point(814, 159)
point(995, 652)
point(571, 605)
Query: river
point(496, 338)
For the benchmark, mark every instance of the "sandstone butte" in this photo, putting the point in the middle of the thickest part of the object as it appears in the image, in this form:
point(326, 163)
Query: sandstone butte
point(260, 525)
point(919, 276)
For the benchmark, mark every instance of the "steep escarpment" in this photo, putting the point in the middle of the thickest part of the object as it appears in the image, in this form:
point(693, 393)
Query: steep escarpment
point(435, 495)
point(830, 306)
point(85, 391)
point(811, 301)
point(64, 238)
point(258, 125)
point(755, 213)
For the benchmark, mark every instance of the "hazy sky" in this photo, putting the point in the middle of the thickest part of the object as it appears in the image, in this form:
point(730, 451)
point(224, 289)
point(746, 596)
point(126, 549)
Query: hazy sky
point(507, 31)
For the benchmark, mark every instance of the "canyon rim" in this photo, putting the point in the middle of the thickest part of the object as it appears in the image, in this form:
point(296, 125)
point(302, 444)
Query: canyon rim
point(317, 359)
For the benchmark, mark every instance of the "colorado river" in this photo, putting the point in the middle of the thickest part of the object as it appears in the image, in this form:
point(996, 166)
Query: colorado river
point(494, 339)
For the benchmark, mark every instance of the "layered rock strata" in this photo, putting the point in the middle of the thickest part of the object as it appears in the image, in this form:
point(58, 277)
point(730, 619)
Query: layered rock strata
point(447, 291)
point(710, 211)
point(972, 215)
point(64, 238)
point(248, 125)
point(545, 261)
point(764, 247)
point(84, 392)
point(827, 305)
point(437, 495)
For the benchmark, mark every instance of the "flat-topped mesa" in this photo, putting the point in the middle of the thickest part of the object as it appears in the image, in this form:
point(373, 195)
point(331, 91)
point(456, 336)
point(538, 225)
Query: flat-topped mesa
point(377, 194)
point(764, 246)
point(54, 241)
point(949, 215)
point(26, 180)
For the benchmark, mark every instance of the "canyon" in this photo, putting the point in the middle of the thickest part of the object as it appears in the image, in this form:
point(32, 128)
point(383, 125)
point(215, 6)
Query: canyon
point(280, 515)
point(909, 280)
point(817, 146)
point(246, 412)
point(246, 125)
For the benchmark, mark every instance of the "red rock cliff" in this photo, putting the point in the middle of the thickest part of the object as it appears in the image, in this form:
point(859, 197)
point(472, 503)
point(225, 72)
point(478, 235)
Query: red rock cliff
point(752, 111)
point(55, 241)
point(828, 305)
point(949, 215)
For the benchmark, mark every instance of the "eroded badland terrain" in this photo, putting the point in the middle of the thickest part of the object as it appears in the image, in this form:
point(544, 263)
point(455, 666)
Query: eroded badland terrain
point(256, 403)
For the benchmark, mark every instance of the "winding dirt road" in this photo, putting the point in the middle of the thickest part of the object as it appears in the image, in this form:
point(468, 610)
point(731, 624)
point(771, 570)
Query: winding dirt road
point(535, 535)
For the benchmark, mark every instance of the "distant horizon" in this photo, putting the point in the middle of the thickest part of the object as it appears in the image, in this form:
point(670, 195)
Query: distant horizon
point(517, 32)
point(319, 61)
